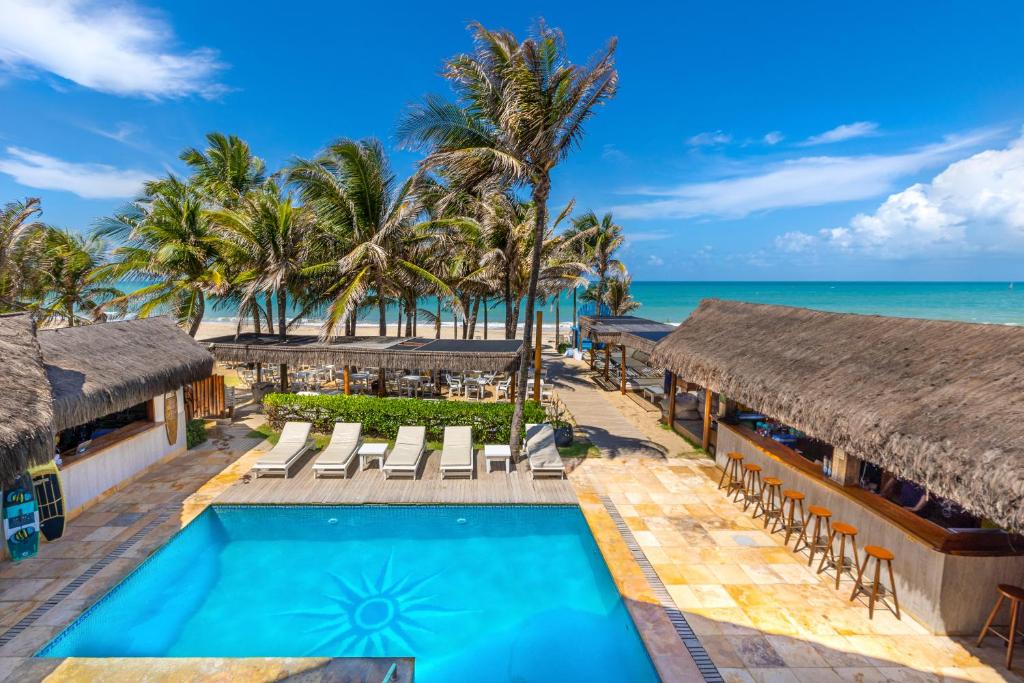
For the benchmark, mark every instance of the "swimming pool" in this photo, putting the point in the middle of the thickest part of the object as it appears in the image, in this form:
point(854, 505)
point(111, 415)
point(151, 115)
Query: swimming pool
point(514, 593)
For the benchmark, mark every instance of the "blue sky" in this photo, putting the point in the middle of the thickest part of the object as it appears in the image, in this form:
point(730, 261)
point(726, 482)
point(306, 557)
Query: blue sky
point(748, 140)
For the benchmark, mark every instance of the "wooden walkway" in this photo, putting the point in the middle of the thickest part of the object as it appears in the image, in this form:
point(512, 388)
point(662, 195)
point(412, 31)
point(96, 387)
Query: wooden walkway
point(370, 486)
point(605, 426)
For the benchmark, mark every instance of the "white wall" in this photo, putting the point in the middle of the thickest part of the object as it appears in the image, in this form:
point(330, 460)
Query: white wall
point(85, 480)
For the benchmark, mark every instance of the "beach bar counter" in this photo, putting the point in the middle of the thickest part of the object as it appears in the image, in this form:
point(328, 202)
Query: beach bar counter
point(910, 430)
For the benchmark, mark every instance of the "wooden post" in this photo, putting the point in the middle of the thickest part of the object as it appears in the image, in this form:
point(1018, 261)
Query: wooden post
point(512, 386)
point(607, 360)
point(259, 372)
point(346, 380)
point(284, 378)
point(845, 467)
point(706, 436)
point(622, 376)
point(672, 403)
point(382, 383)
point(536, 356)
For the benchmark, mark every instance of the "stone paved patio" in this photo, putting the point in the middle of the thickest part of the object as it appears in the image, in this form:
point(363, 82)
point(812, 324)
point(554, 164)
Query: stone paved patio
point(757, 608)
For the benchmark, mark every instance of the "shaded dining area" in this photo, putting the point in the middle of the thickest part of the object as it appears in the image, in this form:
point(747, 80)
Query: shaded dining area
point(413, 367)
point(619, 348)
point(893, 447)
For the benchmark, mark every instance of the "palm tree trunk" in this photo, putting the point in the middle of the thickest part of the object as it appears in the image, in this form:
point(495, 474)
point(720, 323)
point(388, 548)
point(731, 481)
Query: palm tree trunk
point(541, 189)
point(510, 329)
point(282, 330)
point(485, 317)
point(270, 314)
point(255, 317)
point(558, 313)
point(474, 311)
point(198, 319)
point(574, 305)
point(437, 321)
point(409, 306)
point(382, 307)
point(398, 328)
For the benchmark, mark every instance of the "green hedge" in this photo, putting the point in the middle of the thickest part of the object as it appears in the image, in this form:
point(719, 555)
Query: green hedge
point(381, 417)
point(195, 433)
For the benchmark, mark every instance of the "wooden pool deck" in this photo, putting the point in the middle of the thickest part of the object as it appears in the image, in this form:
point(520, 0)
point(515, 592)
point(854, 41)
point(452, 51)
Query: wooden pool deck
point(369, 486)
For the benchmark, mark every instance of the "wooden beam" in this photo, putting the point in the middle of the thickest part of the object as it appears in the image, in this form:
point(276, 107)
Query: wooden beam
point(348, 386)
point(672, 403)
point(607, 360)
point(512, 386)
point(622, 375)
point(284, 378)
point(706, 437)
point(538, 330)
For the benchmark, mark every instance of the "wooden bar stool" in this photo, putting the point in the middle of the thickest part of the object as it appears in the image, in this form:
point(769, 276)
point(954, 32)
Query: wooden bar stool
point(839, 562)
point(733, 471)
point(787, 521)
point(769, 505)
point(880, 555)
point(752, 485)
point(819, 517)
point(1016, 596)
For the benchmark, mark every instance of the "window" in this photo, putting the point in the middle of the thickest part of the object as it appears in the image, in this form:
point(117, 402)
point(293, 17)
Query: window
point(103, 431)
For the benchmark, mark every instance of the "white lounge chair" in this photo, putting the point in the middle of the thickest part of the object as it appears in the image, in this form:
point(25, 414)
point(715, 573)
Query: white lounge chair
point(541, 451)
point(457, 452)
point(338, 456)
point(294, 441)
point(405, 457)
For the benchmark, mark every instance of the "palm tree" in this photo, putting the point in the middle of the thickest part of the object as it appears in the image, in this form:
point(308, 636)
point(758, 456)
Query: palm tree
point(364, 214)
point(601, 239)
point(166, 236)
point(617, 296)
point(226, 170)
point(69, 292)
point(19, 224)
point(523, 106)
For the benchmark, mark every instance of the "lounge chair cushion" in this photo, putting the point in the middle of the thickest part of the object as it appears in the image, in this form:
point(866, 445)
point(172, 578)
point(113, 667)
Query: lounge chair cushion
point(343, 445)
point(457, 451)
point(540, 445)
point(287, 450)
point(408, 448)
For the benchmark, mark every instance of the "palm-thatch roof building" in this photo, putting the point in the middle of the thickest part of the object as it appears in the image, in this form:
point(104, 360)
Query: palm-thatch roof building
point(108, 398)
point(392, 353)
point(938, 404)
point(635, 338)
point(26, 411)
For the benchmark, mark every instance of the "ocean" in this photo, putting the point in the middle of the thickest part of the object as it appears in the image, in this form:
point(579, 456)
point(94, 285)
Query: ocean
point(671, 302)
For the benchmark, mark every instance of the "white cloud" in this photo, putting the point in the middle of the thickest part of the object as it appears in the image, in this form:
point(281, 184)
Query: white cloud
point(709, 139)
point(805, 181)
point(110, 47)
point(646, 236)
point(795, 242)
point(975, 204)
point(122, 132)
point(655, 260)
point(847, 131)
point(613, 153)
point(91, 181)
point(773, 138)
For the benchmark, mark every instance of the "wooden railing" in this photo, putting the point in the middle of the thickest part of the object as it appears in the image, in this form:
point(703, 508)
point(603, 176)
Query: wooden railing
point(205, 398)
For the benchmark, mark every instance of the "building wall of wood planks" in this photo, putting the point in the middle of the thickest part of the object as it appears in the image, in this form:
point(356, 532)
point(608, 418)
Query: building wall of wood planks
point(205, 398)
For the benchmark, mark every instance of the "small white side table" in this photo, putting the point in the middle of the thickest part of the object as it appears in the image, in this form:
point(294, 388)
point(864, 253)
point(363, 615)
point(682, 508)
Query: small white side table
point(369, 452)
point(496, 452)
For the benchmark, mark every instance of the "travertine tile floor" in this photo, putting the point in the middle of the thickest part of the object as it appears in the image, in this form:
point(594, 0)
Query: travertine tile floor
point(760, 612)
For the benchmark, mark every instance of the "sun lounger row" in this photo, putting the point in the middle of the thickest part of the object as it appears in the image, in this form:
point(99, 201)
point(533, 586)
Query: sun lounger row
point(457, 456)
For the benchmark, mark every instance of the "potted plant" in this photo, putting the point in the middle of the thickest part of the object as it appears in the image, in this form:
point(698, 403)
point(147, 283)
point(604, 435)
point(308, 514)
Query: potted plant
point(562, 427)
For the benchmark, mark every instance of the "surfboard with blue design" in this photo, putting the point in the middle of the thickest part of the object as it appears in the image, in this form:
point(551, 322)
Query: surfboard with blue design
point(21, 518)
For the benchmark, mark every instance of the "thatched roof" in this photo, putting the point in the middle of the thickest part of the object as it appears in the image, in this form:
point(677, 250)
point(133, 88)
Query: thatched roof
point(627, 330)
point(26, 416)
point(99, 369)
point(940, 403)
point(393, 353)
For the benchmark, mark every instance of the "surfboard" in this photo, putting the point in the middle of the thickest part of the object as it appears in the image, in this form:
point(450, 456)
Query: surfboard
point(21, 518)
point(50, 496)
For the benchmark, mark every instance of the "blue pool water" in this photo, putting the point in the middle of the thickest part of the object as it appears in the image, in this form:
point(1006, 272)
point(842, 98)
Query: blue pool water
point(507, 593)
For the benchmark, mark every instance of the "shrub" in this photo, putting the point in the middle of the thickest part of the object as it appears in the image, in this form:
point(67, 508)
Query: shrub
point(381, 417)
point(195, 433)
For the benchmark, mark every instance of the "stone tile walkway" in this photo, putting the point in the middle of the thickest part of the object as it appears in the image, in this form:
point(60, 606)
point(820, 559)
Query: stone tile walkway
point(759, 611)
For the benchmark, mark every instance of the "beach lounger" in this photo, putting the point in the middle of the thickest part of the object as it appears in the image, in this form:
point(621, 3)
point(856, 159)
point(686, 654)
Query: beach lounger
point(293, 443)
point(457, 452)
point(404, 458)
point(541, 451)
point(340, 453)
